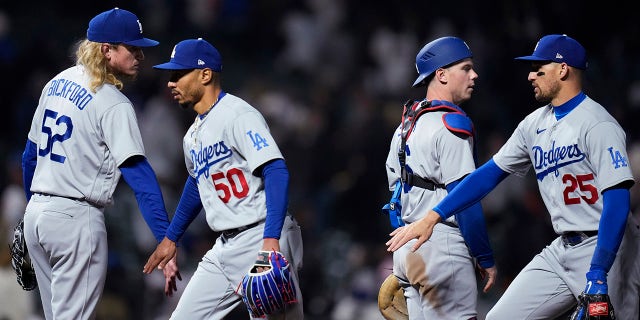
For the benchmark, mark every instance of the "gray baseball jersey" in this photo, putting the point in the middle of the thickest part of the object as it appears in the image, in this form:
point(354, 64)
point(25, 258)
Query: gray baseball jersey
point(433, 148)
point(574, 159)
point(442, 267)
point(222, 150)
point(82, 137)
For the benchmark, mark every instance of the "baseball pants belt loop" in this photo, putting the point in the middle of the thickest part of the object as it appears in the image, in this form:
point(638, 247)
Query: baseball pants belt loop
point(230, 233)
point(572, 238)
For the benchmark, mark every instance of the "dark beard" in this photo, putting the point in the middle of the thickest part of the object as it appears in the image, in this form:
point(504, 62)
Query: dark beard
point(186, 105)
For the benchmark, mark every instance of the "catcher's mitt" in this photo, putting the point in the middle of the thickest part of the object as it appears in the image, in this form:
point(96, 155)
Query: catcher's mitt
point(268, 291)
point(593, 307)
point(20, 260)
point(391, 301)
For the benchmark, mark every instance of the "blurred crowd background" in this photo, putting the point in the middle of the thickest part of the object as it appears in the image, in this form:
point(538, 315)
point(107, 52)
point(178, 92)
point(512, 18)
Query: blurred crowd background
point(331, 77)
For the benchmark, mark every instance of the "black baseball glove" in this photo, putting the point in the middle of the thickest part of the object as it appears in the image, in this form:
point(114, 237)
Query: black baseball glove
point(593, 307)
point(20, 260)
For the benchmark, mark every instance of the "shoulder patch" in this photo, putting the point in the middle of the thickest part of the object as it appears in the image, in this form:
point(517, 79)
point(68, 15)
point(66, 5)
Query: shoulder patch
point(458, 123)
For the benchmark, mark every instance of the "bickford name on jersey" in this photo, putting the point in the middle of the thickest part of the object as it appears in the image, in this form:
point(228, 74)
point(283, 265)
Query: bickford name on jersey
point(69, 89)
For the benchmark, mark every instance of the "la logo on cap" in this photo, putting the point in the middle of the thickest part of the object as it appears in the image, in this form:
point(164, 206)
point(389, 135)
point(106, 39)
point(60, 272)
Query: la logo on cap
point(173, 53)
point(139, 26)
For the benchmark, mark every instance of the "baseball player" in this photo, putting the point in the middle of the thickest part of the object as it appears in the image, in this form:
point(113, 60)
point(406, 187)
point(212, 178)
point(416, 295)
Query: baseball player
point(430, 153)
point(238, 175)
point(83, 137)
point(578, 152)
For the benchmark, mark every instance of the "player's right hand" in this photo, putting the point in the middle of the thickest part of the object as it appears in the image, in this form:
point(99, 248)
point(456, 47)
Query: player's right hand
point(171, 273)
point(165, 251)
point(421, 230)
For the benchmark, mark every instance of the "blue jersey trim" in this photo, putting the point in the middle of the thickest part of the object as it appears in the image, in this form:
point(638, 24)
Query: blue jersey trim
point(564, 109)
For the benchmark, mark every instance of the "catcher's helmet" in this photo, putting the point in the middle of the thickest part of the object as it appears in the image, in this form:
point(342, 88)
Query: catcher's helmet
point(437, 54)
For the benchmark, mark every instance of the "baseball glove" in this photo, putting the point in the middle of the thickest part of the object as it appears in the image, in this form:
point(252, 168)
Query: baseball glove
point(266, 292)
point(593, 307)
point(391, 301)
point(20, 260)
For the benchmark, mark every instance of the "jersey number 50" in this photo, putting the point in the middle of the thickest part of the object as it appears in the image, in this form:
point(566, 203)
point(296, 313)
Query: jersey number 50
point(579, 182)
point(233, 182)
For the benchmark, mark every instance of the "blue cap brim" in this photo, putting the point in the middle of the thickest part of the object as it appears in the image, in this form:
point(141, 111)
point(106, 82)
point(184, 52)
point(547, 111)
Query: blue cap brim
point(531, 58)
point(171, 66)
point(144, 42)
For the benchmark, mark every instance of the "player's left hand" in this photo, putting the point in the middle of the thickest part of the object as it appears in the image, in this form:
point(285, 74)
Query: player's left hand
point(421, 230)
point(594, 300)
point(171, 273)
point(268, 245)
point(489, 275)
point(165, 251)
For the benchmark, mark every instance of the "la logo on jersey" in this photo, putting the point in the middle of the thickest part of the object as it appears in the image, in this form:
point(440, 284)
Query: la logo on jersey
point(616, 158)
point(258, 141)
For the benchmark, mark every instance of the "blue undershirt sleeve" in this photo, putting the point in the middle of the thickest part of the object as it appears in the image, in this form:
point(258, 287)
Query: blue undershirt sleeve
point(611, 228)
point(29, 160)
point(276, 187)
point(139, 175)
point(474, 231)
point(471, 189)
point(188, 209)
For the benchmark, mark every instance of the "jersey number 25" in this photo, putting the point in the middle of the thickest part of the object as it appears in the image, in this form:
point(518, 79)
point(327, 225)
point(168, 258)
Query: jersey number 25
point(579, 182)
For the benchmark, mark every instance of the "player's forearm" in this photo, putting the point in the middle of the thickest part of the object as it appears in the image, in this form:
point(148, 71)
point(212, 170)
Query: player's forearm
point(188, 208)
point(471, 190)
point(139, 175)
point(29, 161)
point(611, 229)
point(276, 187)
point(474, 231)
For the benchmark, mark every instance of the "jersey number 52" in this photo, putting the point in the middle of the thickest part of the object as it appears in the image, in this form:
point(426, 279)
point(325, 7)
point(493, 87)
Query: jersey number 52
point(588, 192)
point(62, 120)
point(232, 183)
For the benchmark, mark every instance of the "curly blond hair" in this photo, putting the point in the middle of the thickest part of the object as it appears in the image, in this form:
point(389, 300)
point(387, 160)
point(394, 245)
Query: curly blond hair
point(90, 56)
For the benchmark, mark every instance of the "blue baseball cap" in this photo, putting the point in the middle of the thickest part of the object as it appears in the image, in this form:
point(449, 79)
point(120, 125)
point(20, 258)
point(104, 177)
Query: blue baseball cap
point(193, 54)
point(559, 48)
point(118, 26)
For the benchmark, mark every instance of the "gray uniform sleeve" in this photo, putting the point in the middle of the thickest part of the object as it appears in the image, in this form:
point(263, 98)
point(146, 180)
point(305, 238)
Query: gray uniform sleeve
point(608, 153)
point(119, 127)
point(513, 156)
point(252, 137)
